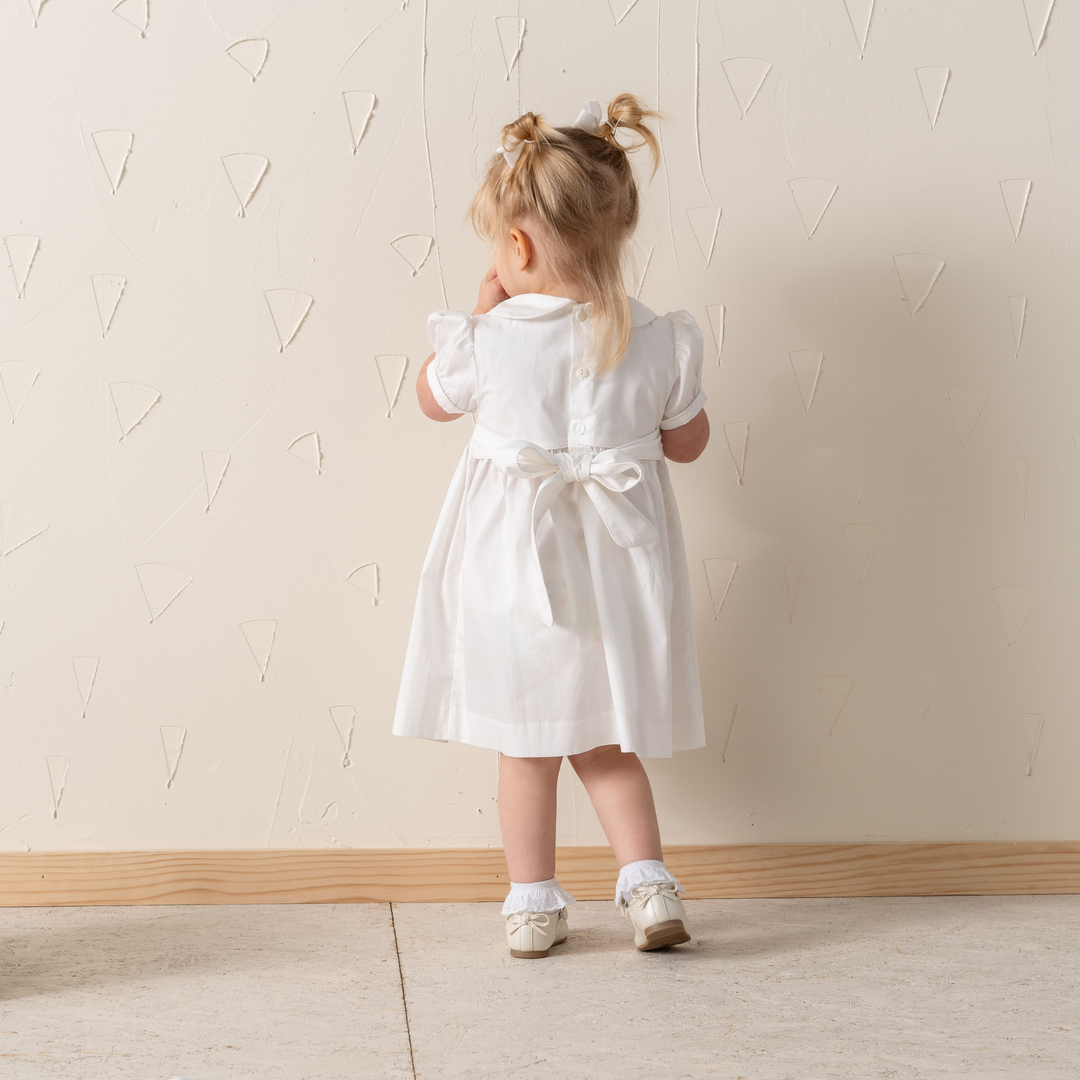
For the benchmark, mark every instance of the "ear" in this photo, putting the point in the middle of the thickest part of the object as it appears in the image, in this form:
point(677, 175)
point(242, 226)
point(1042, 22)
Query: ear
point(521, 249)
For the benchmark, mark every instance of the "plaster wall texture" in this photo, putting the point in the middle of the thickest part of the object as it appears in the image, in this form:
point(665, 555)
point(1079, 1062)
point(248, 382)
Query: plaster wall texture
point(224, 226)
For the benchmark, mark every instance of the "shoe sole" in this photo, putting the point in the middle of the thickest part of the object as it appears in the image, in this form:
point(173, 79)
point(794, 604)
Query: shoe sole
point(665, 933)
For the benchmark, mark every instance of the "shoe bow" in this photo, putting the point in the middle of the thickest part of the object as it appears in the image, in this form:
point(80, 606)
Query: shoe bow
point(654, 888)
point(528, 918)
point(643, 893)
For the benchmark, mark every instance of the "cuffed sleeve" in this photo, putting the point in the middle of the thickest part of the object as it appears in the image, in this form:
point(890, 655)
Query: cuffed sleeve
point(687, 396)
point(452, 374)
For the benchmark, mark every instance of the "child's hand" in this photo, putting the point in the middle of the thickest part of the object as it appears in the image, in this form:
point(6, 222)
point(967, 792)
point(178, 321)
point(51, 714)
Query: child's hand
point(491, 293)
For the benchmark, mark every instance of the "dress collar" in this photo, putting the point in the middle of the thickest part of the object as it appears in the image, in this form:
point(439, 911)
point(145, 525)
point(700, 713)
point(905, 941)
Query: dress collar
point(532, 305)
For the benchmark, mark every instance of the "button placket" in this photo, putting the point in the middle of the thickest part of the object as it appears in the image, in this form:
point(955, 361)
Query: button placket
point(581, 314)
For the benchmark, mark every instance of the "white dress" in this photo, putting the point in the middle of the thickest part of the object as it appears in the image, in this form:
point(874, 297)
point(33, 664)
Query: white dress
point(554, 612)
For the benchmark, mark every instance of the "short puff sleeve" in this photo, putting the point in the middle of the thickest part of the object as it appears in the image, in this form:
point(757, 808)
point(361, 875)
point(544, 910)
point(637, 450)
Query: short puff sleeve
point(687, 396)
point(452, 374)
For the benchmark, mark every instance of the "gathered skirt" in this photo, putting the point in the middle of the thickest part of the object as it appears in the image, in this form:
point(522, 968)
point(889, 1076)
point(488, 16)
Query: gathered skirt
point(619, 663)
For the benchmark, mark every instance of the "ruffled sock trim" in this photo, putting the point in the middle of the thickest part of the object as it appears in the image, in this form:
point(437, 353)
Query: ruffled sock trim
point(536, 896)
point(643, 872)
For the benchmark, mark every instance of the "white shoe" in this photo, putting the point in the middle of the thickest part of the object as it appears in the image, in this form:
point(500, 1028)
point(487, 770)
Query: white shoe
point(658, 916)
point(530, 934)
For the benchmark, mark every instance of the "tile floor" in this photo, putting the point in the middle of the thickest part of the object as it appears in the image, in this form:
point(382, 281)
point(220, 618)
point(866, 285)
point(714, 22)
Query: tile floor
point(973, 987)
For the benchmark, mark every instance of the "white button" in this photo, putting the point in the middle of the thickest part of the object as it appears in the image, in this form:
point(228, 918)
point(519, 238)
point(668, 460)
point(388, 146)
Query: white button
point(579, 428)
point(583, 372)
point(582, 314)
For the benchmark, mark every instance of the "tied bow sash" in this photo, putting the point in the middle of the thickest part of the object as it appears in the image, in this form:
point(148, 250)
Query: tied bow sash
point(604, 474)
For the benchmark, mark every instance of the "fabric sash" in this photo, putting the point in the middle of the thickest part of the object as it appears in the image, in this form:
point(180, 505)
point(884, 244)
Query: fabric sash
point(604, 474)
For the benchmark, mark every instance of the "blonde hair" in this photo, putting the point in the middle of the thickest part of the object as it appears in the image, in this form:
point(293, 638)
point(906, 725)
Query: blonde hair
point(577, 188)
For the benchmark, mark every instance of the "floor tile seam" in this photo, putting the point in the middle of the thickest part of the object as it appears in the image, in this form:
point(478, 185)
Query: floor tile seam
point(404, 999)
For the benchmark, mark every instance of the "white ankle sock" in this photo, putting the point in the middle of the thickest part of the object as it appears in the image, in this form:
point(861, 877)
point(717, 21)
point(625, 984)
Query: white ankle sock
point(642, 872)
point(546, 895)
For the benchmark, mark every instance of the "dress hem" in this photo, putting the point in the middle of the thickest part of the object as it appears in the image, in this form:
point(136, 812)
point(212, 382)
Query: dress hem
point(523, 740)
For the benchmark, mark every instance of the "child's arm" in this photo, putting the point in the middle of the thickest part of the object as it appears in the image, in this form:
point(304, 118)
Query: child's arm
point(686, 443)
point(428, 405)
point(491, 293)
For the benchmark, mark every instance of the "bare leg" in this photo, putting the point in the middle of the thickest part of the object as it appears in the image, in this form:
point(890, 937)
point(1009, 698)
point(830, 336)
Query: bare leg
point(622, 798)
point(527, 815)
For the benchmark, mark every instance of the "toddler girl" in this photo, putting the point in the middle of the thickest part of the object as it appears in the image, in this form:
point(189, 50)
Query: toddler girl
point(553, 616)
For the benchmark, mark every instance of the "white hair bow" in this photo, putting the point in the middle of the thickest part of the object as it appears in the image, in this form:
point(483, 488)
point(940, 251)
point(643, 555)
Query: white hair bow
point(512, 155)
point(591, 117)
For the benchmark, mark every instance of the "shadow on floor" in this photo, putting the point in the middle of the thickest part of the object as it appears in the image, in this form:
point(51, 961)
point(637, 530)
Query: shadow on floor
point(761, 928)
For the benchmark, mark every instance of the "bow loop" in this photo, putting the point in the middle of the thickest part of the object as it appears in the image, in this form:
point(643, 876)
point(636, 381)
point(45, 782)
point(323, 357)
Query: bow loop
point(616, 474)
point(591, 117)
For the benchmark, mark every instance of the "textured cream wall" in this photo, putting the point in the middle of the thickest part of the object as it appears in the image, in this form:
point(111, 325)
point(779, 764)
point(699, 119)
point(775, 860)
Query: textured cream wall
point(899, 643)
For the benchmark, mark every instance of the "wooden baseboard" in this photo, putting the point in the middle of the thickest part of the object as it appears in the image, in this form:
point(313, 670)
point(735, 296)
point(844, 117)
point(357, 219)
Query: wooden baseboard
point(421, 875)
